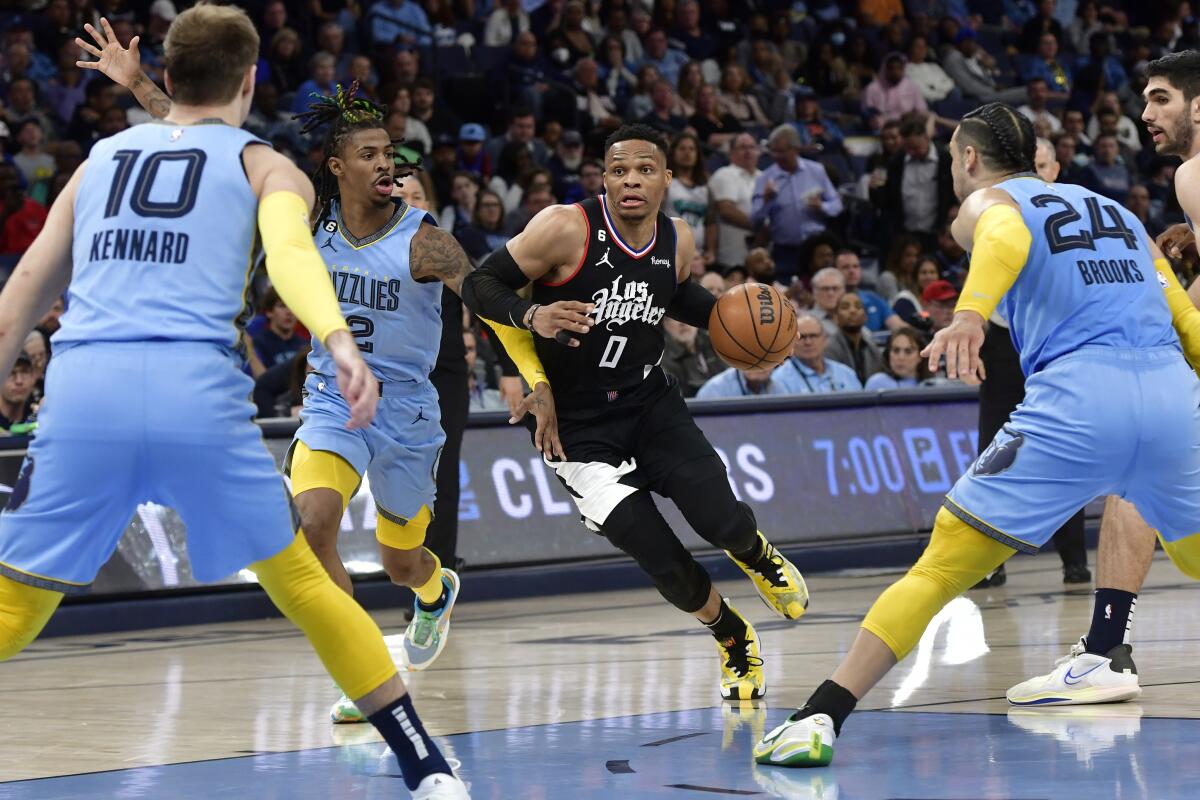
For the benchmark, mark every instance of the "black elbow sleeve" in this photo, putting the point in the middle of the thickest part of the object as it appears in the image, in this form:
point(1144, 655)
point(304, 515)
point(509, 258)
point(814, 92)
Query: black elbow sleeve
point(491, 290)
point(692, 304)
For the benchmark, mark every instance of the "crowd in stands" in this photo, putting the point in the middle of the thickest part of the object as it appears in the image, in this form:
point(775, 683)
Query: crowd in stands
point(808, 137)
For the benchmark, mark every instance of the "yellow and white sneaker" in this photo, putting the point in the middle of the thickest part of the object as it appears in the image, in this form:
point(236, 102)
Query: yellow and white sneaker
point(344, 712)
point(1082, 678)
point(741, 665)
point(806, 742)
point(779, 583)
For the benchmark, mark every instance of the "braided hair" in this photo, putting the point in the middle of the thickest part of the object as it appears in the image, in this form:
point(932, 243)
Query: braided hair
point(342, 115)
point(1003, 137)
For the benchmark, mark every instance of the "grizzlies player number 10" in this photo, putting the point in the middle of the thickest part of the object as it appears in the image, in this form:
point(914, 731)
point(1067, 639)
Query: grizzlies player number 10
point(190, 161)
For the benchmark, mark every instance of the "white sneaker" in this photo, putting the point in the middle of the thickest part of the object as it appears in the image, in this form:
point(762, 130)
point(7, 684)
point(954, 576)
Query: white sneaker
point(441, 787)
point(1080, 678)
point(806, 742)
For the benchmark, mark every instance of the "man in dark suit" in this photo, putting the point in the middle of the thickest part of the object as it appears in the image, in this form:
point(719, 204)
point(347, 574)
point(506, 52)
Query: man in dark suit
point(919, 189)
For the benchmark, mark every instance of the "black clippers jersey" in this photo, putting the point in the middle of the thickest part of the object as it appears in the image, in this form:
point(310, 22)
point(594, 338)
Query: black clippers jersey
point(630, 289)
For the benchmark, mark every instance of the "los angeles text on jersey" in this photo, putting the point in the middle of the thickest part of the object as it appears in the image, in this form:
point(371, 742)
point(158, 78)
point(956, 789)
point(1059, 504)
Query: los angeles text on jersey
point(360, 290)
point(135, 244)
point(1109, 270)
point(633, 302)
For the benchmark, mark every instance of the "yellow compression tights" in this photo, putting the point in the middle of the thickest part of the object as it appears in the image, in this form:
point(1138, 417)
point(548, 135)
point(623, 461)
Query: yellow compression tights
point(1185, 554)
point(957, 557)
point(24, 611)
point(346, 639)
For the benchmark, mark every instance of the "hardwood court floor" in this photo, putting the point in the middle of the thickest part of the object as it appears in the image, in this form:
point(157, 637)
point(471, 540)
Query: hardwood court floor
point(614, 695)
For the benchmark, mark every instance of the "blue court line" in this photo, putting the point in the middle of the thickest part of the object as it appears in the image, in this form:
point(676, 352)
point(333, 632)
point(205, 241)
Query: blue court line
point(1100, 752)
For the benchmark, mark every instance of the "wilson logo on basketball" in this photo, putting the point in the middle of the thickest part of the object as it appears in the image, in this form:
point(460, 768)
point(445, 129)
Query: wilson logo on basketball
point(631, 302)
point(766, 306)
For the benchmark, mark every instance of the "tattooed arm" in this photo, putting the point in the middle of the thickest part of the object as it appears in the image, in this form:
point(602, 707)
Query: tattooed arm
point(436, 255)
point(124, 66)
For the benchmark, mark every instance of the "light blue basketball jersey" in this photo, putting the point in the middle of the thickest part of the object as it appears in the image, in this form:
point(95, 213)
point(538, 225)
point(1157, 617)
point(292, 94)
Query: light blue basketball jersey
point(1090, 278)
point(396, 321)
point(166, 233)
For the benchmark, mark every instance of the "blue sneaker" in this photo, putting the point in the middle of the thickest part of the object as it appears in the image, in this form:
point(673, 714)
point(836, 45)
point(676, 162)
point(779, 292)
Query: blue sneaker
point(427, 633)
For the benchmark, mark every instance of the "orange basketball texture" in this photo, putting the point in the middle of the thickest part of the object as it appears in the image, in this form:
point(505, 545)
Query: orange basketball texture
point(752, 326)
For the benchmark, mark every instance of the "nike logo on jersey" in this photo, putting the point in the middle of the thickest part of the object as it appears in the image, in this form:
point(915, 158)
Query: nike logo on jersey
point(1067, 679)
point(632, 302)
point(604, 258)
point(420, 416)
point(329, 244)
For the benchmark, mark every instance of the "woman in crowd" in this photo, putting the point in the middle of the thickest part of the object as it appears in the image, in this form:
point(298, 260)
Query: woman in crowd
point(514, 162)
point(616, 77)
point(285, 58)
point(903, 367)
point(736, 101)
point(716, 130)
point(907, 302)
point(640, 103)
point(463, 194)
point(900, 268)
point(486, 231)
point(691, 78)
point(688, 196)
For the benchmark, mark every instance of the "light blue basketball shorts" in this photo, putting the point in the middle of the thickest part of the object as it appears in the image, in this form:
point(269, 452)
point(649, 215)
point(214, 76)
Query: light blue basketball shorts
point(398, 451)
point(1096, 422)
point(125, 423)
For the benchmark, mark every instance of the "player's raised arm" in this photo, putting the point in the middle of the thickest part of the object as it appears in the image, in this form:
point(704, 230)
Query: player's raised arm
point(123, 65)
point(990, 226)
point(41, 276)
point(299, 275)
point(692, 304)
point(550, 242)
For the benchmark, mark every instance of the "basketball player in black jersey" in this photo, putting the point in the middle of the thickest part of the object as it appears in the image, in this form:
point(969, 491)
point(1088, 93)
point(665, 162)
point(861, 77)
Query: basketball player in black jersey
point(605, 272)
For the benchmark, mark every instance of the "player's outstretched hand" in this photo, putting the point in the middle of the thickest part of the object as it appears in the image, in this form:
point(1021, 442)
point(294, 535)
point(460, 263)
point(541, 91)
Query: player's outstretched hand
point(959, 343)
point(1175, 239)
point(565, 315)
point(512, 392)
point(122, 64)
point(355, 381)
point(540, 403)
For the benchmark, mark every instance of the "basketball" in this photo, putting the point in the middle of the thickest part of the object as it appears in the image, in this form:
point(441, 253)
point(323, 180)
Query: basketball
point(752, 326)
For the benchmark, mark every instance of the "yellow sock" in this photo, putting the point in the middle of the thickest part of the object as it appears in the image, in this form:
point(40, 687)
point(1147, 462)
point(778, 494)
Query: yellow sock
point(24, 611)
point(957, 557)
point(345, 637)
point(431, 591)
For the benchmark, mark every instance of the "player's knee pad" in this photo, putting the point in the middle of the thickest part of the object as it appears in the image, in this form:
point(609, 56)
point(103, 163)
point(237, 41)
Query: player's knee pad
point(957, 557)
point(701, 491)
point(24, 611)
point(682, 583)
point(1184, 554)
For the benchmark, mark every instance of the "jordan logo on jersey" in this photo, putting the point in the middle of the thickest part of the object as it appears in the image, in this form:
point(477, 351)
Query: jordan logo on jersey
point(604, 258)
point(617, 304)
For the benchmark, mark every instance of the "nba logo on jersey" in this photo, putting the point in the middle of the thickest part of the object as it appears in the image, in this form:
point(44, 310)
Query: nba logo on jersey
point(612, 395)
point(176, 134)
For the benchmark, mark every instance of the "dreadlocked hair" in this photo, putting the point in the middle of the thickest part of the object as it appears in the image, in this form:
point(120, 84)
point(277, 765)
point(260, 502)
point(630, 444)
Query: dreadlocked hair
point(342, 115)
point(1002, 135)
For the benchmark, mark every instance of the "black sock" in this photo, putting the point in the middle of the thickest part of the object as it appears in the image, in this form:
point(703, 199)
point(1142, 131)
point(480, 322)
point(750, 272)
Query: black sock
point(438, 604)
point(753, 554)
point(831, 699)
point(727, 625)
point(1112, 617)
point(401, 728)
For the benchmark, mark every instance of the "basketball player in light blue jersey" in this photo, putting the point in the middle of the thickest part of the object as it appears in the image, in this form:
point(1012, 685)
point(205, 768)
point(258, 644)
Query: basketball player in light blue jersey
point(1111, 405)
point(387, 261)
point(156, 234)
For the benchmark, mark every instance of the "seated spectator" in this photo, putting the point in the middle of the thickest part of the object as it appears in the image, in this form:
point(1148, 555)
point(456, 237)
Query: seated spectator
point(591, 181)
point(1109, 119)
point(21, 218)
point(668, 62)
point(893, 94)
point(1044, 162)
point(827, 72)
point(471, 156)
point(363, 73)
point(714, 283)
point(16, 407)
point(908, 305)
point(928, 75)
point(1083, 26)
point(952, 260)
point(1050, 68)
point(640, 103)
point(595, 107)
point(1069, 170)
point(616, 78)
point(268, 121)
point(278, 341)
point(850, 346)
point(939, 299)
point(1036, 108)
point(1040, 24)
point(527, 73)
point(391, 22)
point(818, 372)
point(688, 354)
point(828, 286)
point(919, 187)
point(437, 120)
point(662, 116)
point(568, 41)
point(818, 134)
point(51, 320)
point(903, 367)
point(331, 37)
point(505, 22)
point(521, 128)
point(1100, 68)
point(36, 166)
point(565, 165)
point(749, 383)
point(879, 313)
point(320, 81)
point(688, 196)
point(37, 347)
point(1073, 123)
point(735, 101)
point(1138, 203)
point(1107, 174)
point(464, 193)
point(486, 233)
point(900, 267)
point(537, 198)
point(694, 39)
point(514, 163)
point(619, 28)
point(285, 63)
point(732, 188)
point(24, 103)
point(691, 78)
point(65, 92)
point(795, 197)
point(760, 267)
point(716, 130)
point(279, 390)
point(974, 72)
point(481, 397)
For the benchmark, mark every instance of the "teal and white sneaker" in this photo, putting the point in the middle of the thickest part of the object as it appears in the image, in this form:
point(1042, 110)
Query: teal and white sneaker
point(429, 630)
point(344, 712)
point(806, 742)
